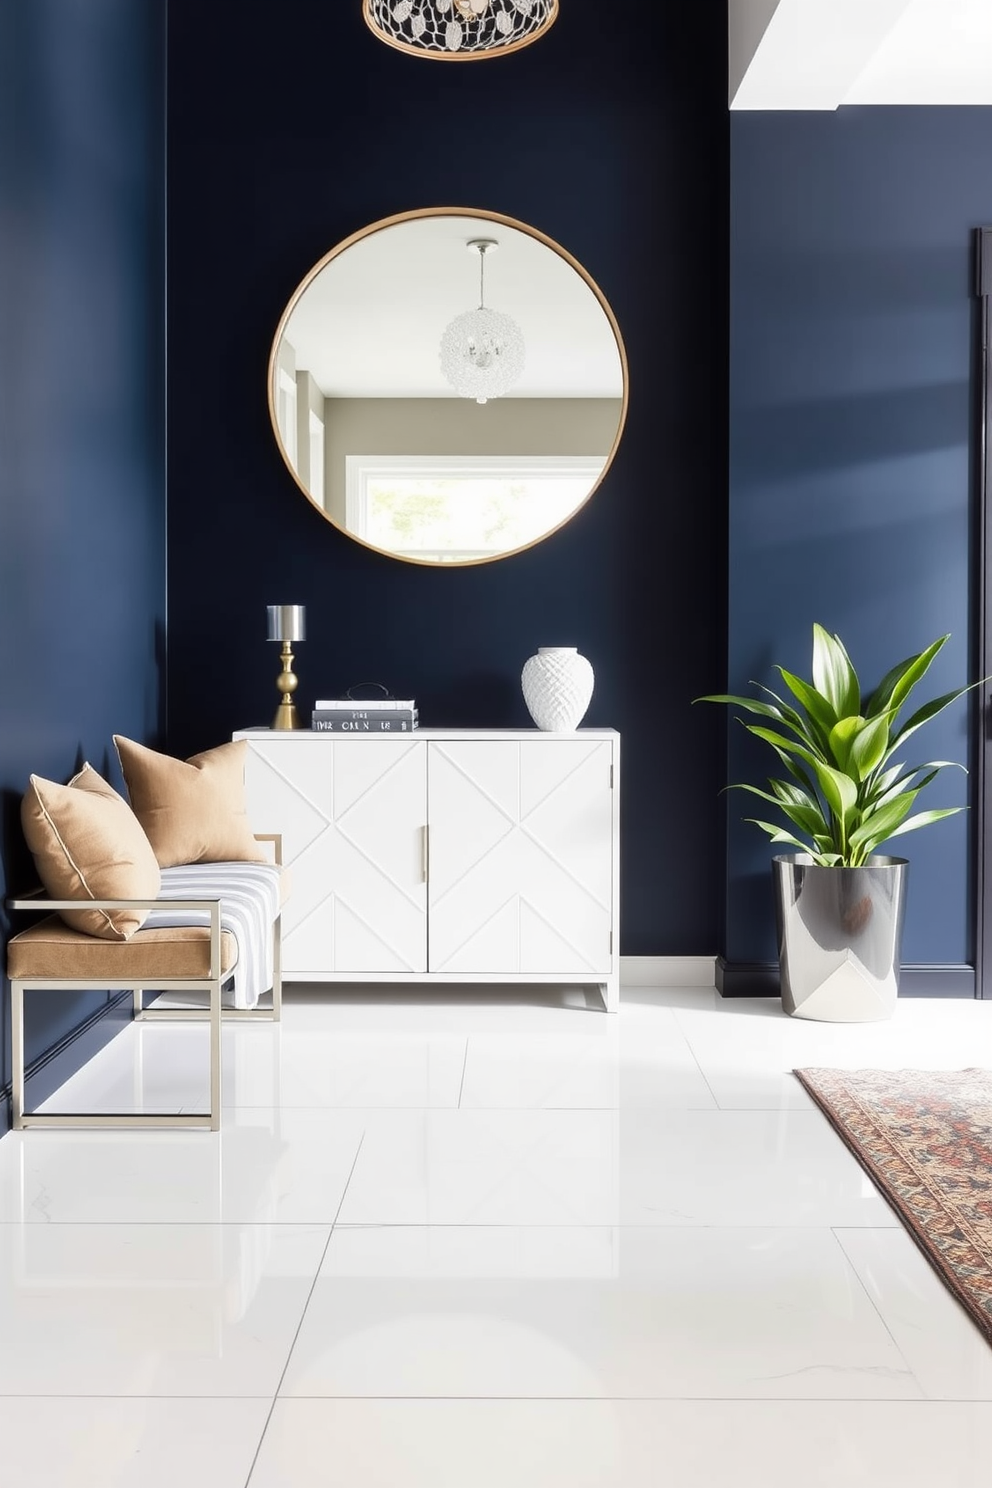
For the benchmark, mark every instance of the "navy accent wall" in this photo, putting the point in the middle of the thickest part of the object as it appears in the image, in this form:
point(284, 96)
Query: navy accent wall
point(852, 449)
point(290, 128)
point(82, 504)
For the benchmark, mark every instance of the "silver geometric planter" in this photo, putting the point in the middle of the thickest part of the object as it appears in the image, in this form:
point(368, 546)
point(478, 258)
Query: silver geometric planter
point(839, 937)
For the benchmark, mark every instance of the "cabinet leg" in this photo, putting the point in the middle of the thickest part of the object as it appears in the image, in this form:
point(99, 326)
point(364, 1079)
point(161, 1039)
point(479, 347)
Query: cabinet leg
point(611, 994)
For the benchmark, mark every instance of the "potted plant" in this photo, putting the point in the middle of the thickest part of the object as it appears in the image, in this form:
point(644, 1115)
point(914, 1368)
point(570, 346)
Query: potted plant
point(839, 903)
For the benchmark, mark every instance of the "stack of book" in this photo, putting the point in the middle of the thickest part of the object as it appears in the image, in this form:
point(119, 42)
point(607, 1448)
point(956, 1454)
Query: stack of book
point(381, 716)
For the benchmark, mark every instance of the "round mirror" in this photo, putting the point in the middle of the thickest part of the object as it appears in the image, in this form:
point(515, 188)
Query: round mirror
point(448, 386)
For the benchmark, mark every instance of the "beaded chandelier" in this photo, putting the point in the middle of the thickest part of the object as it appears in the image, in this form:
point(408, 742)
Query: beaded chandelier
point(482, 351)
point(459, 30)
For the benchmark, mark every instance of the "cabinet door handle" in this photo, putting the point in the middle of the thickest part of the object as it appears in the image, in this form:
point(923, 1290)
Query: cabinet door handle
point(425, 852)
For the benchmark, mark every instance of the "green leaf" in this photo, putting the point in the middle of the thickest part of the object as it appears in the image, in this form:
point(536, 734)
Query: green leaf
point(896, 685)
point(778, 742)
point(880, 824)
point(842, 737)
point(913, 778)
point(833, 674)
point(886, 779)
point(802, 809)
point(839, 789)
point(797, 771)
point(786, 711)
point(924, 818)
point(869, 745)
point(817, 706)
point(779, 834)
point(807, 819)
point(902, 782)
point(795, 795)
point(803, 812)
point(765, 710)
point(755, 790)
point(929, 710)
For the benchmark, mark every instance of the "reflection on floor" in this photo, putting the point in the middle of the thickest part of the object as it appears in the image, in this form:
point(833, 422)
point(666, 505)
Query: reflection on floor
point(483, 1239)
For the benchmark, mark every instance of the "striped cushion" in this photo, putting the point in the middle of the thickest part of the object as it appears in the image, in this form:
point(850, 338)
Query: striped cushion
point(250, 895)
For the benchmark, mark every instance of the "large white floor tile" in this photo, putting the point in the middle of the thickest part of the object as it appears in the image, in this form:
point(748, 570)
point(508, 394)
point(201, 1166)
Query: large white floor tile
point(624, 1444)
point(645, 1063)
point(716, 1312)
point(160, 1066)
point(748, 1060)
point(147, 1067)
point(944, 1348)
point(151, 1309)
point(741, 1168)
point(87, 1442)
point(485, 1167)
point(290, 1166)
point(922, 1033)
point(328, 1067)
point(749, 1080)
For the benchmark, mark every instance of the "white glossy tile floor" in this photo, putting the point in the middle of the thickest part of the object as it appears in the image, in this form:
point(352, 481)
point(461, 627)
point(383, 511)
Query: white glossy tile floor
point(489, 1239)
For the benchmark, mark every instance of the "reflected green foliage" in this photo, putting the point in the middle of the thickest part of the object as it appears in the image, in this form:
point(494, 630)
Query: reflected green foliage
point(466, 515)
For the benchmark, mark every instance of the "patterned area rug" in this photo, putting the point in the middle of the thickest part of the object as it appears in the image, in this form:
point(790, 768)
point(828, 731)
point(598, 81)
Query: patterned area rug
point(925, 1138)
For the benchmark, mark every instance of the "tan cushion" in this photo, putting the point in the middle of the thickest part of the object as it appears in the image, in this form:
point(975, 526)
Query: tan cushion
point(193, 811)
point(88, 844)
point(51, 950)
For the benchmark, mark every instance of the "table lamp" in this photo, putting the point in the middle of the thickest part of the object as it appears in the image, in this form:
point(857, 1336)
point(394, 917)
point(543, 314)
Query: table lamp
point(287, 623)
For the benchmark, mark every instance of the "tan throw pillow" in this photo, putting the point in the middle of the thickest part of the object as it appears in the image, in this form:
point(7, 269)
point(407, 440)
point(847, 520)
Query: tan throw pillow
point(193, 811)
point(88, 844)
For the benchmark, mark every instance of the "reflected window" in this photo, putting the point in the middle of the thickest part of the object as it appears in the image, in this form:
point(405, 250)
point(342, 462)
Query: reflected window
point(452, 509)
point(286, 413)
point(316, 457)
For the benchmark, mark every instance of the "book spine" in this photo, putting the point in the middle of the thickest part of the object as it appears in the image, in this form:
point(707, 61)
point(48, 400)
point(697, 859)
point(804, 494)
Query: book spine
point(356, 715)
point(389, 724)
point(352, 705)
point(359, 715)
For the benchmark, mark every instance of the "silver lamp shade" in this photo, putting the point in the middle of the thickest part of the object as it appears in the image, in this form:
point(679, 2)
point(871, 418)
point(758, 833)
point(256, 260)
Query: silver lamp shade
point(287, 622)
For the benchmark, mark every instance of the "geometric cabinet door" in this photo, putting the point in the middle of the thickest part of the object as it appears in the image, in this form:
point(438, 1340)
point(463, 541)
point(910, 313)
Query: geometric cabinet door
point(353, 834)
point(522, 856)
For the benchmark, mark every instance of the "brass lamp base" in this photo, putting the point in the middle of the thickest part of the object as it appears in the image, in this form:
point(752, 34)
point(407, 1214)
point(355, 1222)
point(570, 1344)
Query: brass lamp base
point(287, 714)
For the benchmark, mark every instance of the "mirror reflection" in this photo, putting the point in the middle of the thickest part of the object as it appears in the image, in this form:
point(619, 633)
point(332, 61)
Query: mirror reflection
point(448, 386)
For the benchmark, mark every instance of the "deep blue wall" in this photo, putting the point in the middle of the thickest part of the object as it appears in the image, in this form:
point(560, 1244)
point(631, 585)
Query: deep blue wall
point(289, 130)
point(82, 504)
point(851, 449)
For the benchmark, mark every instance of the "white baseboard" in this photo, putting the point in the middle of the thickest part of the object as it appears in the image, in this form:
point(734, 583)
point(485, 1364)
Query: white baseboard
point(668, 971)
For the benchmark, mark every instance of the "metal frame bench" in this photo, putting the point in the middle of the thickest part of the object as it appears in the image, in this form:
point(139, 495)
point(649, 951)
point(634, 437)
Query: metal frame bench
point(193, 960)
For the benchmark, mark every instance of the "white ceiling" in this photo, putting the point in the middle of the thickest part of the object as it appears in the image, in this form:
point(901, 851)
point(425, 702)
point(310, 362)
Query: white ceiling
point(369, 323)
point(820, 54)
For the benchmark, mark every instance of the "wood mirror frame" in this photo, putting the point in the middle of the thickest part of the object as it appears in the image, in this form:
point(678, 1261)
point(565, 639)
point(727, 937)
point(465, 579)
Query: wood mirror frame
point(376, 437)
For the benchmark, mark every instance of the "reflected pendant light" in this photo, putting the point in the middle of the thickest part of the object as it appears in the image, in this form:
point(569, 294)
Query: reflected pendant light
point(482, 351)
point(459, 30)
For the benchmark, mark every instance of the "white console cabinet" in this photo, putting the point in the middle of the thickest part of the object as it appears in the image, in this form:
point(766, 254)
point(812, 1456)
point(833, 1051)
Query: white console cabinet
point(445, 855)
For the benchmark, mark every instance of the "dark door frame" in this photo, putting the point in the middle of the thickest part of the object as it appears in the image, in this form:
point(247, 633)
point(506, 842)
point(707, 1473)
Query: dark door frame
point(983, 490)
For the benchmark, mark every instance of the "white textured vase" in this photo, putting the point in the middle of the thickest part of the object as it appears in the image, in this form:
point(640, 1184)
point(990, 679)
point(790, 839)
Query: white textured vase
point(557, 685)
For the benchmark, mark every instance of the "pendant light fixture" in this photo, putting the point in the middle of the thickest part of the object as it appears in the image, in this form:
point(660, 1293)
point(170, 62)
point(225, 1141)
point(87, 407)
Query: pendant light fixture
point(482, 351)
point(459, 30)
